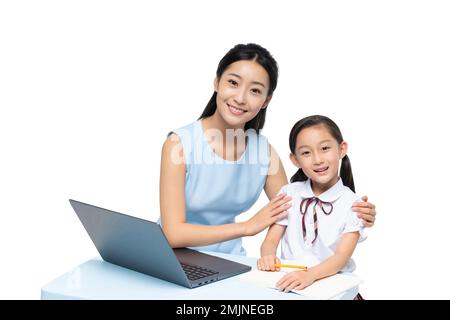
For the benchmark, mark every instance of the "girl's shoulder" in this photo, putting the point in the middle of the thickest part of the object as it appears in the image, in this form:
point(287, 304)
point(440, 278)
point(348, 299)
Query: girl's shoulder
point(348, 195)
point(294, 187)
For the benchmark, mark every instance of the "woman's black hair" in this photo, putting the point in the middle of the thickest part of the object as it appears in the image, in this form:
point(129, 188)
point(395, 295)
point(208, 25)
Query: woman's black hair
point(346, 169)
point(263, 57)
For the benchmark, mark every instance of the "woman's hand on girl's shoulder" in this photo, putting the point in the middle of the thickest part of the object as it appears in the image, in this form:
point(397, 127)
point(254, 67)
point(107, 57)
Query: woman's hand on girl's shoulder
point(365, 211)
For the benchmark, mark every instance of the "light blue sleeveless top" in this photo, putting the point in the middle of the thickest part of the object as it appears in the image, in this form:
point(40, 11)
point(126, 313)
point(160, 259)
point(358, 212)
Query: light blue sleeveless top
point(218, 190)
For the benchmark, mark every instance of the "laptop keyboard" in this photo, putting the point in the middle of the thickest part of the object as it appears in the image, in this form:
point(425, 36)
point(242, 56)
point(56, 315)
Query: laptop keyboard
point(196, 272)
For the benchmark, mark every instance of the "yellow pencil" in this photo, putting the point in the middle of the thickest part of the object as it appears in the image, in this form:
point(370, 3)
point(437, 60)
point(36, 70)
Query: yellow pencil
point(290, 266)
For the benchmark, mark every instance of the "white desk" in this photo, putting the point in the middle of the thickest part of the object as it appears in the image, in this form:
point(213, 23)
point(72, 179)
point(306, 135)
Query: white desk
point(97, 279)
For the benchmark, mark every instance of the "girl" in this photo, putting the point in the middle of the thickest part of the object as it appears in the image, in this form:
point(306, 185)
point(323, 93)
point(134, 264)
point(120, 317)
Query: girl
point(207, 180)
point(320, 228)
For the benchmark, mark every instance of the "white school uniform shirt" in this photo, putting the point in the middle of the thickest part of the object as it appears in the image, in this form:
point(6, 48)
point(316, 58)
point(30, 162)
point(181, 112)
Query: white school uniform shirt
point(330, 227)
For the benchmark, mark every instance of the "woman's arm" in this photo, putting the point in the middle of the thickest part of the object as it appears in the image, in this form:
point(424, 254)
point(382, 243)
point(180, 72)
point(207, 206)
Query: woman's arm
point(276, 176)
point(173, 210)
point(301, 279)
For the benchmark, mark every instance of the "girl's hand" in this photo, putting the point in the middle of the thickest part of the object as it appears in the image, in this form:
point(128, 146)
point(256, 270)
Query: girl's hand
point(297, 280)
point(366, 211)
point(267, 263)
point(269, 214)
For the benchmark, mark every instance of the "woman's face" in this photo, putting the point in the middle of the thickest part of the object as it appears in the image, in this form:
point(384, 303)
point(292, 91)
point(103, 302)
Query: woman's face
point(241, 92)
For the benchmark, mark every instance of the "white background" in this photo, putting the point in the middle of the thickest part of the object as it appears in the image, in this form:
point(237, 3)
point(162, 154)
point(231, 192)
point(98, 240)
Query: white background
point(89, 90)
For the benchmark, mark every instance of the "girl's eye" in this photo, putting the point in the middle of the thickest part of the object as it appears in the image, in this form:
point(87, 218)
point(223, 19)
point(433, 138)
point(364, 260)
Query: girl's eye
point(232, 82)
point(304, 153)
point(326, 148)
point(256, 91)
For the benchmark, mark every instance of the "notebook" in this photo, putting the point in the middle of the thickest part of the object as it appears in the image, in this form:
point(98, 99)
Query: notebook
point(323, 289)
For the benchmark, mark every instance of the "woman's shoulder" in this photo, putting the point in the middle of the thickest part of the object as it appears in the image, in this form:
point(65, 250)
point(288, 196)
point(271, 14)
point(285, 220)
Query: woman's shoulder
point(260, 136)
point(186, 135)
point(180, 139)
point(184, 130)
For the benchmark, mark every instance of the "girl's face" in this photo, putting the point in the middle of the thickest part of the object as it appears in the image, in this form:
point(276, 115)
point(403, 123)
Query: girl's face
point(241, 92)
point(318, 154)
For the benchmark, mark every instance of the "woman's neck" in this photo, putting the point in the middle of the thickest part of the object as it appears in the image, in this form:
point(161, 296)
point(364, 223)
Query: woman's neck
point(231, 142)
point(216, 122)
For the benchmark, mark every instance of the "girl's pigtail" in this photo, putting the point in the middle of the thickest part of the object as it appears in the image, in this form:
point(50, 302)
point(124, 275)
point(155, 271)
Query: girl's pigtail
point(346, 173)
point(299, 176)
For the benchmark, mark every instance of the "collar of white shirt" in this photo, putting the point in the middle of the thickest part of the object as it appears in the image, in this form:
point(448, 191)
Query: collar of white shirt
point(331, 195)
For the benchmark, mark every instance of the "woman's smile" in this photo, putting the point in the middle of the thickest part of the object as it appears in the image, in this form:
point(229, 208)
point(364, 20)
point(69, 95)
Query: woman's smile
point(235, 110)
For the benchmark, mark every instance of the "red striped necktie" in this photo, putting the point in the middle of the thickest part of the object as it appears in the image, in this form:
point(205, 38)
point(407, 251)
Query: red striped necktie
point(304, 205)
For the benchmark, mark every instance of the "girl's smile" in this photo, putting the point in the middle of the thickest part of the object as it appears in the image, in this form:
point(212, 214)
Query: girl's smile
point(321, 171)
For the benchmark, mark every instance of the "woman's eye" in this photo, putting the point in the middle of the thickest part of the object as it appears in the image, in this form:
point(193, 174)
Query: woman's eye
point(256, 91)
point(232, 82)
point(325, 148)
point(304, 153)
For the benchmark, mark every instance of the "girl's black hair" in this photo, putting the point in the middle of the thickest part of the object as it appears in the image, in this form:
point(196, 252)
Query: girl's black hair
point(263, 57)
point(346, 169)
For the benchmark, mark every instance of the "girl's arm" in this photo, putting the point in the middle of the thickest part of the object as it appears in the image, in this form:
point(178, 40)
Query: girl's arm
point(336, 262)
point(276, 179)
point(301, 279)
point(173, 210)
point(269, 248)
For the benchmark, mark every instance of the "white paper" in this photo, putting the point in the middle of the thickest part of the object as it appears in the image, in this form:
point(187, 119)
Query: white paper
point(326, 288)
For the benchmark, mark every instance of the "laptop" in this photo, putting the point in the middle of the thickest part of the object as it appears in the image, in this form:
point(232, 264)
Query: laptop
point(141, 245)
